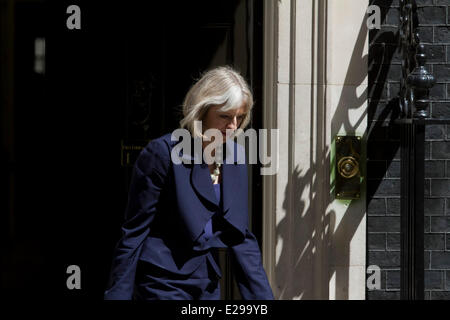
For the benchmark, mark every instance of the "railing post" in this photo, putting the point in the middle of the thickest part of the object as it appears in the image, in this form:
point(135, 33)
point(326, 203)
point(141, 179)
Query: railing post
point(414, 101)
point(412, 208)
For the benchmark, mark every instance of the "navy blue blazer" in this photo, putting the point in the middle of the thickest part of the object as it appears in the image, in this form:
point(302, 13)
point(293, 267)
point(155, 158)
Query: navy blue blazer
point(168, 207)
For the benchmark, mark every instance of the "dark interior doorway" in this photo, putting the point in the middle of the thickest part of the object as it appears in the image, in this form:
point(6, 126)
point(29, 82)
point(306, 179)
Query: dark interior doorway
point(106, 90)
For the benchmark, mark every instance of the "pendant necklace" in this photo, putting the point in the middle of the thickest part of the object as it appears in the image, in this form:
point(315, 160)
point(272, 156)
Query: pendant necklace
point(216, 173)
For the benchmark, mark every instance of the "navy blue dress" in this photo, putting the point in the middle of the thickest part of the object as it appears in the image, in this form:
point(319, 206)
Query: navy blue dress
point(153, 283)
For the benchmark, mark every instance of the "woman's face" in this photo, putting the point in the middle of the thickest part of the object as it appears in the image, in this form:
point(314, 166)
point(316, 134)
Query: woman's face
point(216, 119)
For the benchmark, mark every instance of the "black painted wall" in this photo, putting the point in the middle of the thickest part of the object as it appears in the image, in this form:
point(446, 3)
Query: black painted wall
point(383, 223)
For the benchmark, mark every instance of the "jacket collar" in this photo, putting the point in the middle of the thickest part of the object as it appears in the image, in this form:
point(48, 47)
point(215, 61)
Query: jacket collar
point(201, 179)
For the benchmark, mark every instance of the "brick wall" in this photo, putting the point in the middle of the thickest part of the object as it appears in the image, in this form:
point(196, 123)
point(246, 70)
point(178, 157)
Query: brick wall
point(383, 166)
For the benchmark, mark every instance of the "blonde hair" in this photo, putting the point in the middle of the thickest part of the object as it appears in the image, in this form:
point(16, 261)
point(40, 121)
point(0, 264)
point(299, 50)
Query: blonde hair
point(219, 86)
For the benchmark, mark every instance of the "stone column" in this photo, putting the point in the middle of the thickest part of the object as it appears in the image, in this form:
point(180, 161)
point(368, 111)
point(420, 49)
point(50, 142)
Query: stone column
point(315, 86)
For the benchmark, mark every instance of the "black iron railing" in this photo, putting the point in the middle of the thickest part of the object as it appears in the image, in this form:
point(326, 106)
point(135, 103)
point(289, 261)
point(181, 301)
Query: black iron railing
point(414, 104)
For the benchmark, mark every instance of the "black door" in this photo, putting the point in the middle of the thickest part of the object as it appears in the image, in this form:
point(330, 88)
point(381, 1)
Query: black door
point(109, 88)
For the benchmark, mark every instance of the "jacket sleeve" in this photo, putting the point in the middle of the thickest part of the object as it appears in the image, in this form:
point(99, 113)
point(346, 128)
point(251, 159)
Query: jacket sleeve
point(148, 178)
point(250, 275)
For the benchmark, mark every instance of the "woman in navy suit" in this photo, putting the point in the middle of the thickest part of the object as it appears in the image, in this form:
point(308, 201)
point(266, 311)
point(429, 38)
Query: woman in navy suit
point(179, 213)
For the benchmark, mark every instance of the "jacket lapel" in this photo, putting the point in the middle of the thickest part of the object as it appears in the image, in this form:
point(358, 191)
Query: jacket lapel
point(232, 175)
point(230, 180)
point(201, 181)
point(200, 177)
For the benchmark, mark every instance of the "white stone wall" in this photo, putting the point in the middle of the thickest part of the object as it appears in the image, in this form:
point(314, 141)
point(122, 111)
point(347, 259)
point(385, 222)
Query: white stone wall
point(315, 87)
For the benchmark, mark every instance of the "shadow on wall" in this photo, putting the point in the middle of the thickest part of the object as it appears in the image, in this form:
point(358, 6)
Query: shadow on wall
point(384, 136)
point(310, 235)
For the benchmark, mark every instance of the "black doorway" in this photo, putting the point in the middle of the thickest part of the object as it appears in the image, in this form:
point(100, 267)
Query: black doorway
point(107, 89)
